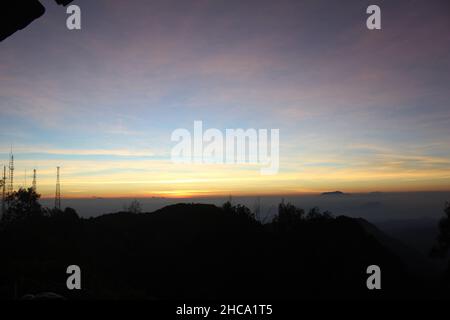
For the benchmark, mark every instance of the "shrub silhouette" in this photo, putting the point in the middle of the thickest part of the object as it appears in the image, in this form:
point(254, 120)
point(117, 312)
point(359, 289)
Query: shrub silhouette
point(441, 248)
point(443, 241)
point(195, 251)
point(22, 204)
point(241, 212)
point(288, 217)
point(134, 207)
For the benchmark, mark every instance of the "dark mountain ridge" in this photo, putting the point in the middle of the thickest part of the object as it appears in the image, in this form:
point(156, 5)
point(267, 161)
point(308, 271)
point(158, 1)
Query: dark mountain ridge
point(198, 251)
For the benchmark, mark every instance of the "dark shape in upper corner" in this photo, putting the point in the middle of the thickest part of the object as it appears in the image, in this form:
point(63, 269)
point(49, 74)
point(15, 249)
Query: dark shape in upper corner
point(17, 14)
point(63, 2)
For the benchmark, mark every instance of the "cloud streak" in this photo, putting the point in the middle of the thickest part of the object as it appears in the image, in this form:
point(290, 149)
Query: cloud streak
point(357, 109)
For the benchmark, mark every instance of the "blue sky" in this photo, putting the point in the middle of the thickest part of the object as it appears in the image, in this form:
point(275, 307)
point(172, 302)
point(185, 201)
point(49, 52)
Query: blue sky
point(358, 110)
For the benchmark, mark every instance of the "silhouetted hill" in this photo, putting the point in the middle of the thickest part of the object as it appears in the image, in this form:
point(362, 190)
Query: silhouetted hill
point(418, 233)
point(425, 270)
point(333, 193)
point(197, 251)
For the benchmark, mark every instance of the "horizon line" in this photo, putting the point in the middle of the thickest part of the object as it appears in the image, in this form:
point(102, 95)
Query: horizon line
point(238, 195)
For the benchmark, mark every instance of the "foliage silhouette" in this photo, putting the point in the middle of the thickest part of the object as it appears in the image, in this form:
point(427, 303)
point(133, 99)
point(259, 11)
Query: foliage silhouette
point(134, 207)
point(22, 204)
point(443, 241)
point(196, 251)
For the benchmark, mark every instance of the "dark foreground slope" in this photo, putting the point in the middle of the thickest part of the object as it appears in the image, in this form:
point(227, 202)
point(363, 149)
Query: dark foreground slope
point(196, 251)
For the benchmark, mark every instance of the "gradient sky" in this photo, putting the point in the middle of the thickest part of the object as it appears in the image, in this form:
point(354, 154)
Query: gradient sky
point(357, 110)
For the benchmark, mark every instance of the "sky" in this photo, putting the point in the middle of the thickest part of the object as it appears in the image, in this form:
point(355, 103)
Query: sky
point(358, 110)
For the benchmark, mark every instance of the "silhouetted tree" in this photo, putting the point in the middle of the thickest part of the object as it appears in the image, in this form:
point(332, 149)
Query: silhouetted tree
point(314, 214)
point(239, 210)
point(288, 216)
point(134, 207)
point(22, 204)
point(69, 214)
point(443, 241)
point(327, 215)
point(227, 207)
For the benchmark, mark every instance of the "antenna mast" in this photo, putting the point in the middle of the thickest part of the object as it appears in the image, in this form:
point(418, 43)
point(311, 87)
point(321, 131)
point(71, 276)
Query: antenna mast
point(11, 173)
point(3, 185)
point(58, 191)
point(34, 180)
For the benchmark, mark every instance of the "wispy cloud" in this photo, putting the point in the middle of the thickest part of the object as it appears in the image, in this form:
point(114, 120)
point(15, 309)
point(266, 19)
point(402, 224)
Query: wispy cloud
point(355, 109)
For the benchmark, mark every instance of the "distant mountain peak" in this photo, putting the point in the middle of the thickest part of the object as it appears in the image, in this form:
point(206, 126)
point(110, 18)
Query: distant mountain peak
point(333, 193)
